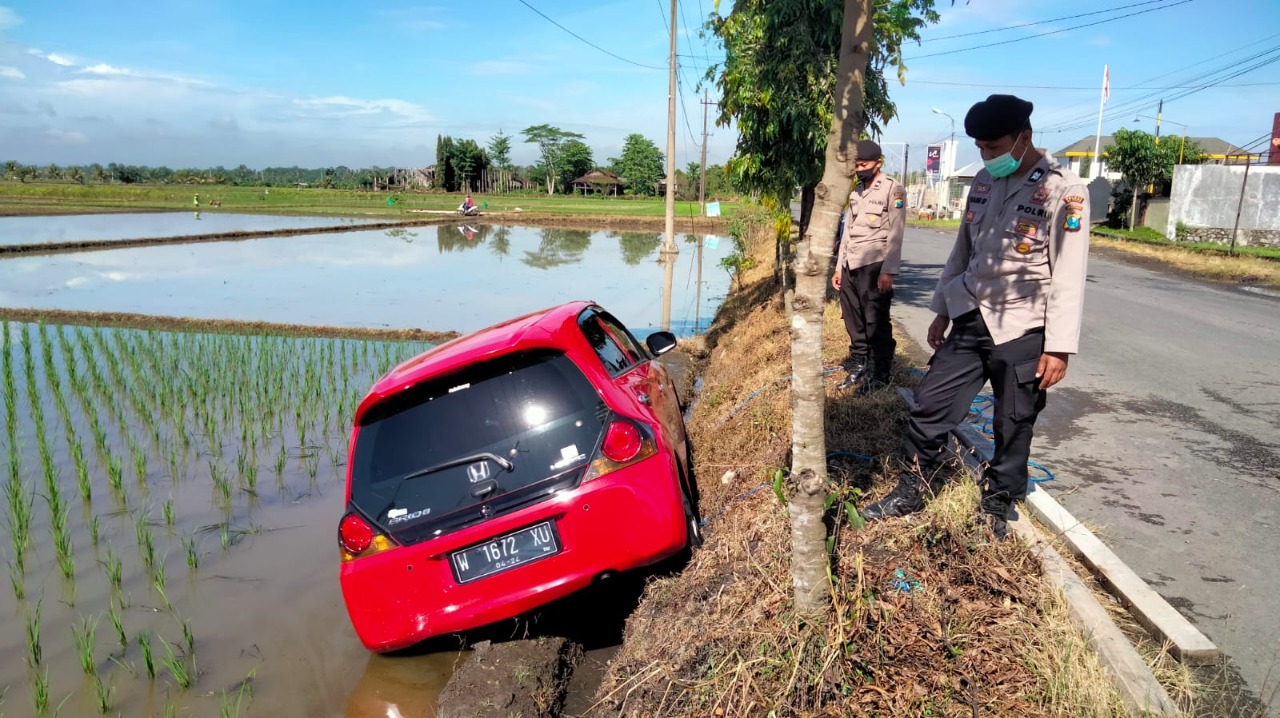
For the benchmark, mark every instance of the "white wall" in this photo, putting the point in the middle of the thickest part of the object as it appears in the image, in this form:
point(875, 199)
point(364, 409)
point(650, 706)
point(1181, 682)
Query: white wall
point(1208, 195)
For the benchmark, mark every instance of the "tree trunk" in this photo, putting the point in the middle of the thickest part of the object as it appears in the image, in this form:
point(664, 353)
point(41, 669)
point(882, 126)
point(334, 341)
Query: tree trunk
point(1133, 209)
point(809, 560)
point(806, 207)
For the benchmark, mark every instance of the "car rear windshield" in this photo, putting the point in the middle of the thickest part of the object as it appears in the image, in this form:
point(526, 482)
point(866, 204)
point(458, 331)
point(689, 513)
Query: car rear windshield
point(478, 443)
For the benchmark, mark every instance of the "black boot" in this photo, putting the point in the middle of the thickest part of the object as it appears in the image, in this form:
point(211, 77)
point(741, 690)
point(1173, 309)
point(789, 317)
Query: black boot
point(858, 366)
point(905, 499)
point(997, 509)
point(876, 375)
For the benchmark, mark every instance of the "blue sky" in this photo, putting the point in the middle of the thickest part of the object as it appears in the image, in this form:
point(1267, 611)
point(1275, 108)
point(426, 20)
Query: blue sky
point(319, 84)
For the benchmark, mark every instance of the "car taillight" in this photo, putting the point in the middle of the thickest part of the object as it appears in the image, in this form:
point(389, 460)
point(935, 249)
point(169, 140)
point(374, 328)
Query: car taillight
point(624, 444)
point(621, 441)
point(357, 538)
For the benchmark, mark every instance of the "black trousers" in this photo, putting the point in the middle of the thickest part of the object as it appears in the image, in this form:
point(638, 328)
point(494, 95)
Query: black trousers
point(866, 313)
point(965, 361)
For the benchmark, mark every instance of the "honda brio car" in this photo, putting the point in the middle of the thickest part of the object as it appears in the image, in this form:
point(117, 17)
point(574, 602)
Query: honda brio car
point(508, 468)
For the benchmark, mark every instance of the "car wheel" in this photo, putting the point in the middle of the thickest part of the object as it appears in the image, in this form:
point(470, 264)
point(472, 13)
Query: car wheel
point(693, 521)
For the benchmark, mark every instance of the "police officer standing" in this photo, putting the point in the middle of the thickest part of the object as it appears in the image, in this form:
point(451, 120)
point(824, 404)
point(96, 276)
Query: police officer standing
point(870, 250)
point(1012, 294)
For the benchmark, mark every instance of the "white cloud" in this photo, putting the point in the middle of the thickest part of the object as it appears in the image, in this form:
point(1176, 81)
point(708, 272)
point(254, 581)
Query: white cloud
point(12, 72)
point(104, 69)
point(67, 137)
point(57, 59)
point(8, 19)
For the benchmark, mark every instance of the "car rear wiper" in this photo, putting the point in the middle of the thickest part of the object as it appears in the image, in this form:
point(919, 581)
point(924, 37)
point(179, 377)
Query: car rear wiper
point(504, 463)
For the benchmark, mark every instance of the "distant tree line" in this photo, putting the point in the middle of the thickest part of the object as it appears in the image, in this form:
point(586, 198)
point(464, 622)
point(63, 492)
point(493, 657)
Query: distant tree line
point(462, 165)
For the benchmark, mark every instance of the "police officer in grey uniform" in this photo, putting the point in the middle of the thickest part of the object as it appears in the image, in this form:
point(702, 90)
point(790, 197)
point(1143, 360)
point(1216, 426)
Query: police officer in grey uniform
point(1012, 294)
point(870, 251)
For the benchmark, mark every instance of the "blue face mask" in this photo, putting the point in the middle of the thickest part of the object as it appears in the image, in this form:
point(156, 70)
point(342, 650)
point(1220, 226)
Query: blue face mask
point(1004, 165)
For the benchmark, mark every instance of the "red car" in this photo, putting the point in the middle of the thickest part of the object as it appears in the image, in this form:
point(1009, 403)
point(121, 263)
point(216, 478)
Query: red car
point(508, 468)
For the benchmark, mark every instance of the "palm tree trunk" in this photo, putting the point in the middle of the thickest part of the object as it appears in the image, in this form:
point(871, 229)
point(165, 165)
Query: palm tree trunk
point(809, 560)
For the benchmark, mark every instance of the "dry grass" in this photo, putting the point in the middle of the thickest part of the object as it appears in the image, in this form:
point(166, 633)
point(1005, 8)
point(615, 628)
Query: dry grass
point(983, 635)
point(1236, 270)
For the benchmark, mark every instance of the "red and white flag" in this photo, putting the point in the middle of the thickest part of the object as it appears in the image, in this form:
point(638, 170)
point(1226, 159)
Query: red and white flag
point(1106, 83)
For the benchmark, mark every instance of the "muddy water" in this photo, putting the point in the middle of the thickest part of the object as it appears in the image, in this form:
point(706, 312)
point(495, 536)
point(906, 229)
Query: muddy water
point(450, 277)
point(100, 227)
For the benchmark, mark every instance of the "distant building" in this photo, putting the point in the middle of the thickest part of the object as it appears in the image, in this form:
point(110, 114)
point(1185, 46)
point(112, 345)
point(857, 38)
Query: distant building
point(1079, 153)
point(599, 181)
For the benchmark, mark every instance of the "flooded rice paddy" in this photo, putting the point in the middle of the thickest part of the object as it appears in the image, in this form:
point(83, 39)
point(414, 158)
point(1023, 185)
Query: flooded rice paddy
point(148, 225)
point(170, 499)
point(446, 277)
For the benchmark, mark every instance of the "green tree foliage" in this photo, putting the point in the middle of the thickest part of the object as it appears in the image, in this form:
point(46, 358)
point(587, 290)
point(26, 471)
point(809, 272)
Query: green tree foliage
point(778, 78)
point(1137, 157)
point(575, 161)
point(558, 246)
point(500, 151)
point(551, 143)
point(641, 164)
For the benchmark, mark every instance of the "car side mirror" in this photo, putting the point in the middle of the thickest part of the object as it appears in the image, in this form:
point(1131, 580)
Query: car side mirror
point(660, 343)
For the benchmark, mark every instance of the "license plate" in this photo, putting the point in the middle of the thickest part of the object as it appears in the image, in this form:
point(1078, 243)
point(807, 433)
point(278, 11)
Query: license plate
point(505, 552)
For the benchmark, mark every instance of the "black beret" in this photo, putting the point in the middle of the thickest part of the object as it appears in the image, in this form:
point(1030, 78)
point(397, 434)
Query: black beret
point(997, 116)
point(869, 150)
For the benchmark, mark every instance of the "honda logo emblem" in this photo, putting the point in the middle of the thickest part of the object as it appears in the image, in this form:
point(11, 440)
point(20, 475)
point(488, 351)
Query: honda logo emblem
point(478, 472)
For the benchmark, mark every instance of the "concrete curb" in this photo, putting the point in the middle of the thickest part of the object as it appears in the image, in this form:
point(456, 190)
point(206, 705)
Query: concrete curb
point(1187, 643)
point(1139, 690)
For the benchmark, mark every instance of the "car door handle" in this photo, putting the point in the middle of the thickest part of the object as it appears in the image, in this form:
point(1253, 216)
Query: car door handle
point(644, 399)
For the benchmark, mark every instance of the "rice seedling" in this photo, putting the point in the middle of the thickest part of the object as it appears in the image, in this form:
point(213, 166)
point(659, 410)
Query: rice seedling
point(177, 667)
point(140, 464)
point(84, 638)
point(93, 530)
point(102, 694)
point(17, 579)
point(189, 547)
point(40, 692)
point(117, 623)
point(35, 655)
point(115, 570)
point(189, 638)
point(115, 476)
point(168, 514)
point(148, 661)
point(228, 709)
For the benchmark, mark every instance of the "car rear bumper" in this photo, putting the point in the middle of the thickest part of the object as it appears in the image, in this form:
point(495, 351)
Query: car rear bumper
point(625, 520)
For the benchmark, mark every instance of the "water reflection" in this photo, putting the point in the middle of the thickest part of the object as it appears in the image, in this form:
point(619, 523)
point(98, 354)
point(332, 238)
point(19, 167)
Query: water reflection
point(391, 687)
point(146, 225)
point(395, 278)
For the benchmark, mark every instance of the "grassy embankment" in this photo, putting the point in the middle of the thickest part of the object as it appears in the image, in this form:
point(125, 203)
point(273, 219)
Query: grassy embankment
point(1250, 265)
point(51, 198)
point(978, 632)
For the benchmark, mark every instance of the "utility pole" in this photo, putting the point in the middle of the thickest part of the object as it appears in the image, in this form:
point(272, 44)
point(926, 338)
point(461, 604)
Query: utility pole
point(906, 166)
point(702, 180)
point(1159, 112)
point(1240, 204)
point(670, 244)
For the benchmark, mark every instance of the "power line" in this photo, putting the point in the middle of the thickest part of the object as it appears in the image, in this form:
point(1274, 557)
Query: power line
point(1139, 103)
point(1046, 34)
point(1069, 87)
point(1040, 22)
point(585, 40)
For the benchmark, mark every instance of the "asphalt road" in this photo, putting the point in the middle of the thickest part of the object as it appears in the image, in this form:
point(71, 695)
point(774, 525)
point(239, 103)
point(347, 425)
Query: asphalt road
point(1165, 440)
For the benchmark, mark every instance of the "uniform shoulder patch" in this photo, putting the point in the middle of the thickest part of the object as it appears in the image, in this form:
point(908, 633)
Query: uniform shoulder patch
point(1073, 199)
point(899, 198)
point(1073, 221)
point(1036, 175)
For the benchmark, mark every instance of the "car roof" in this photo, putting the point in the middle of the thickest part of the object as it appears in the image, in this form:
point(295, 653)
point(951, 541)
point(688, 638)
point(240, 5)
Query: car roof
point(539, 329)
